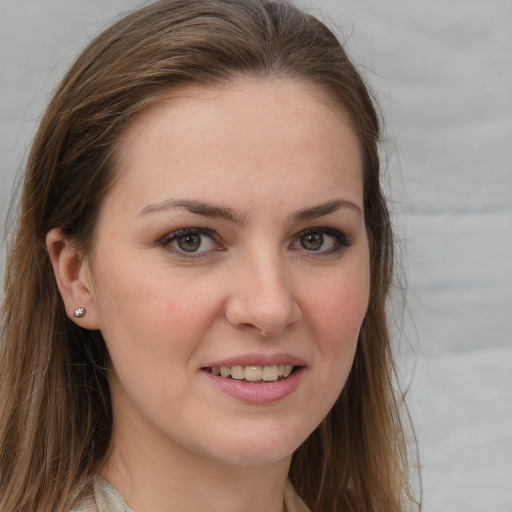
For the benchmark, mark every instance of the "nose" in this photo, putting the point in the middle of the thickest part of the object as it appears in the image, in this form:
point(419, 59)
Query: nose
point(262, 298)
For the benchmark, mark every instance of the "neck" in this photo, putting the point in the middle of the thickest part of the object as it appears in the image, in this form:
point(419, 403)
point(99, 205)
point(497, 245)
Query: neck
point(168, 477)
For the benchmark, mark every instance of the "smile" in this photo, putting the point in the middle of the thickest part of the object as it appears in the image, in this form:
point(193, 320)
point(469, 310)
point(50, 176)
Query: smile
point(256, 378)
point(254, 373)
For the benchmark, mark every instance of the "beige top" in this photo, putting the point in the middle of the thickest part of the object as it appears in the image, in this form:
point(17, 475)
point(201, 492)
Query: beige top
point(107, 499)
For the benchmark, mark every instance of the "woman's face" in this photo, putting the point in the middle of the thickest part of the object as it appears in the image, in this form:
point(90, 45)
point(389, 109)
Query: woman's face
point(231, 252)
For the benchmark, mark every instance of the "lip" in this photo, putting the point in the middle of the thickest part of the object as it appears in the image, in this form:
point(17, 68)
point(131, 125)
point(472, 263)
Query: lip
point(256, 393)
point(257, 360)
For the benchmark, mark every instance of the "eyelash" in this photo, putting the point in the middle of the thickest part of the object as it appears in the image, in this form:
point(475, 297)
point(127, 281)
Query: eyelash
point(167, 241)
point(341, 242)
point(340, 239)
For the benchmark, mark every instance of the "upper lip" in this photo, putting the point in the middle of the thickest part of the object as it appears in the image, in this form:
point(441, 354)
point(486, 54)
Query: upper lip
point(257, 360)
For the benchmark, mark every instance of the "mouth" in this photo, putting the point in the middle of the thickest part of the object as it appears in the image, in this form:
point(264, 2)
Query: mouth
point(252, 373)
point(257, 379)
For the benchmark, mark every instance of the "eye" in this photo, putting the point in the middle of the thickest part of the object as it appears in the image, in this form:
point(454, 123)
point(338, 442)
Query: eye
point(321, 241)
point(191, 242)
point(312, 241)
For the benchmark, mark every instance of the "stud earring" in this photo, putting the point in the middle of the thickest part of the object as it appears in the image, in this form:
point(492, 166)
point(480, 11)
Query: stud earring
point(79, 312)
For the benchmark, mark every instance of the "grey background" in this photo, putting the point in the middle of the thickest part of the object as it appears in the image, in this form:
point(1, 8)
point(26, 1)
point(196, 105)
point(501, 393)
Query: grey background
point(443, 74)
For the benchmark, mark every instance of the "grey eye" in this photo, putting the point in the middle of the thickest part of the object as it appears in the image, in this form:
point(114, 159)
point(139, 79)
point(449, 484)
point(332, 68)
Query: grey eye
point(189, 243)
point(320, 241)
point(312, 241)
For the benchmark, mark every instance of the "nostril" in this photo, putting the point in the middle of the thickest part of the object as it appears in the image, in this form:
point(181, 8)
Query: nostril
point(253, 313)
point(251, 327)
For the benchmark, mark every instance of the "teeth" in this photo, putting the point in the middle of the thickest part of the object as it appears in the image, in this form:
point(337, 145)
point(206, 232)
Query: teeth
point(269, 373)
point(254, 373)
point(237, 372)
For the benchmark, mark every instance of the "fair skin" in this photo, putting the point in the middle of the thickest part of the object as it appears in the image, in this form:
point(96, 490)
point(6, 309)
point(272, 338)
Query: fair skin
point(272, 269)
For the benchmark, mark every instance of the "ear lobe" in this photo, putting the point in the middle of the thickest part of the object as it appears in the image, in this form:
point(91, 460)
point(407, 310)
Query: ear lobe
point(73, 278)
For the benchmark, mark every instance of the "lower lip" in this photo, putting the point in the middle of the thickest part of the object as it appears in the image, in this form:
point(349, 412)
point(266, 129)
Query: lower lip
point(257, 393)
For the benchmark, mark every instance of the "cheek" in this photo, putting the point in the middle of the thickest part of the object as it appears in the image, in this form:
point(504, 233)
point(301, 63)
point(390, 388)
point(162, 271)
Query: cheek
point(334, 318)
point(153, 311)
point(337, 310)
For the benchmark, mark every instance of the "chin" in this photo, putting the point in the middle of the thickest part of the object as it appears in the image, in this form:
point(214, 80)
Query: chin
point(261, 447)
point(252, 456)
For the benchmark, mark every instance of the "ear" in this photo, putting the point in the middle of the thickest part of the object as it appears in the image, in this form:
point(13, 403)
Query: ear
point(73, 277)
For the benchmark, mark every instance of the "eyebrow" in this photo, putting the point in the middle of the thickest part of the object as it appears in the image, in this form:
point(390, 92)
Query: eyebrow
point(210, 210)
point(325, 209)
point(197, 207)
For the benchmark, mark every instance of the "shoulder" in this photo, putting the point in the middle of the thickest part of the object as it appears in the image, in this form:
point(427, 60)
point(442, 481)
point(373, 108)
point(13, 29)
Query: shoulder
point(87, 505)
point(103, 498)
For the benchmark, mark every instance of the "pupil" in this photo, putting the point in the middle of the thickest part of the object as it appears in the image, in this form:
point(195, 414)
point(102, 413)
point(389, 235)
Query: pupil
point(189, 243)
point(312, 241)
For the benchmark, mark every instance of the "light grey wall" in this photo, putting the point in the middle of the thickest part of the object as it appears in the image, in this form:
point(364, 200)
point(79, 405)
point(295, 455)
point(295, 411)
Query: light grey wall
point(443, 73)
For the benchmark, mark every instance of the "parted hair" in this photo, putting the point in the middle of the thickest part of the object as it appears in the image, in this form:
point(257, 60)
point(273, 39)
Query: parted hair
point(55, 407)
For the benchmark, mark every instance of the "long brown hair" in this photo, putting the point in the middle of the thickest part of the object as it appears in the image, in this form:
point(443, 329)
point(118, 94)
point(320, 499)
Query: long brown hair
point(55, 410)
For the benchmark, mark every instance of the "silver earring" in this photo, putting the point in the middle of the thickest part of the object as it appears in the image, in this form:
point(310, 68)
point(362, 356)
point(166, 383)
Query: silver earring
point(79, 312)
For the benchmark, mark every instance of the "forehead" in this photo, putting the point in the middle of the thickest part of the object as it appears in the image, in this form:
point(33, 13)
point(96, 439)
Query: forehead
point(260, 98)
point(276, 133)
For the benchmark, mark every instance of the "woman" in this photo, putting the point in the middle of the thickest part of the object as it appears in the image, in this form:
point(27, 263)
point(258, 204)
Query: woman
point(195, 290)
